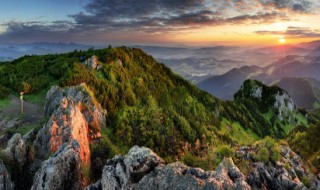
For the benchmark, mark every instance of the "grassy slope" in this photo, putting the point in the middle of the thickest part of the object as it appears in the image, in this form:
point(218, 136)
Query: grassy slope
point(4, 102)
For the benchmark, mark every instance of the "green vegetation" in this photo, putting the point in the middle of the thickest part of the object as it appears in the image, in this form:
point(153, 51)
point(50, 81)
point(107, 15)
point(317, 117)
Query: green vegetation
point(263, 155)
point(224, 151)
point(305, 141)
point(149, 105)
point(262, 112)
point(306, 181)
point(268, 150)
point(25, 128)
point(4, 102)
point(22, 130)
point(237, 133)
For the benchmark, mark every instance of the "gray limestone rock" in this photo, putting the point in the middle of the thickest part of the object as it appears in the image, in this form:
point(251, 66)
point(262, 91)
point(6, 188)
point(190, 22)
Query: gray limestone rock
point(143, 169)
point(16, 149)
point(5, 179)
point(61, 171)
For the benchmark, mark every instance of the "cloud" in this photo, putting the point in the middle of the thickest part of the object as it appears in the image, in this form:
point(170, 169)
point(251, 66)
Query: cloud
point(35, 30)
point(300, 6)
point(258, 18)
point(111, 19)
point(170, 15)
point(293, 32)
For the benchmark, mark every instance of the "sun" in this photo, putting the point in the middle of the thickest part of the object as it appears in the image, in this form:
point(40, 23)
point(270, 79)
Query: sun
point(282, 40)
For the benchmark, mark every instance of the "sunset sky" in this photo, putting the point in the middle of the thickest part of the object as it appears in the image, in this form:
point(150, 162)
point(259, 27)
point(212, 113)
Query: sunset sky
point(189, 22)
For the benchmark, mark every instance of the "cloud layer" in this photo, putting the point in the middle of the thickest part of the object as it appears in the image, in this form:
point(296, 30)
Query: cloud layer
point(112, 19)
point(293, 32)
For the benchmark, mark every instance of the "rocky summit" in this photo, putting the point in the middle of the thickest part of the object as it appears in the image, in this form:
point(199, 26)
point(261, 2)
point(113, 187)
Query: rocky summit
point(141, 168)
point(61, 171)
point(74, 115)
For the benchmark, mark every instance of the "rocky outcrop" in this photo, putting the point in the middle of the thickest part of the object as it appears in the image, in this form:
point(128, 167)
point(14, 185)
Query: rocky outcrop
point(16, 149)
point(5, 179)
point(118, 62)
point(61, 171)
point(256, 92)
point(93, 62)
point(267, 97)
point(143, 169)
point(289, 172)
point(74, 115)
point(284, 104)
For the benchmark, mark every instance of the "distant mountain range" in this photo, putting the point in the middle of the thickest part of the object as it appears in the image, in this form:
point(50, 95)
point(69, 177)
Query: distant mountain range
point(12, 51)
point(298, 75)
point(200, 63)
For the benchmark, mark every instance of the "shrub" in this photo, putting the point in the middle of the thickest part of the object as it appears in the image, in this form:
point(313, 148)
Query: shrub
point(269, 142)
point(244, 167)
point(306, 181)
point(275, 153)
point(3, 92)
point(224, 151)
point(263, 155)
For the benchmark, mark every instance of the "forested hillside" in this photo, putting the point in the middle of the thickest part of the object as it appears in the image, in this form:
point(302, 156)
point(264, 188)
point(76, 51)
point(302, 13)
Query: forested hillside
point(149, 105)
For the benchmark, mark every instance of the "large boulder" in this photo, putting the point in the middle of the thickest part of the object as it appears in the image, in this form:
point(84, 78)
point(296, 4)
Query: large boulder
point(5, 179)
point(74, 115)
point(61, 171)
point(16, 149)
point(230, 176)
point(143, 169)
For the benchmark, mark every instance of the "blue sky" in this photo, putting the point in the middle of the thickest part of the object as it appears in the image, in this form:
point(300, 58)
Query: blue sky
point(159, 21)
point(38, 9)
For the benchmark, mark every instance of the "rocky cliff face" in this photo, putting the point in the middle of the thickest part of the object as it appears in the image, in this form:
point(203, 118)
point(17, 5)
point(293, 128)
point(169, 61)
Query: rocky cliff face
point(75, 120)
point(143, 169)
point(284, 104)
point(16, 149)
point(74, 115)
point(267, 97)
point(5, 179)
point(61, 171)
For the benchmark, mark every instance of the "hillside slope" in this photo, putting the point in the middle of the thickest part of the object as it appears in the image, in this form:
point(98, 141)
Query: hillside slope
point(148, 105)
point(272, 106)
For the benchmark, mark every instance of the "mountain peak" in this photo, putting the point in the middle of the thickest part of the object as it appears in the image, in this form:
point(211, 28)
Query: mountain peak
point(266, 97)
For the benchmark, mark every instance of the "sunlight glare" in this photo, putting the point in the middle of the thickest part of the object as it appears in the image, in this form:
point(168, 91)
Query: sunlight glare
point(282, 40)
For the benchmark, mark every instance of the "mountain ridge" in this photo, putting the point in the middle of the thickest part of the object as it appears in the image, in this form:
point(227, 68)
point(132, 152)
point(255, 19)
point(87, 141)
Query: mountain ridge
point(147, 105)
